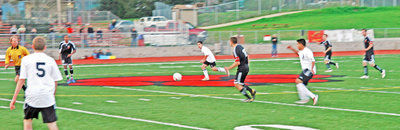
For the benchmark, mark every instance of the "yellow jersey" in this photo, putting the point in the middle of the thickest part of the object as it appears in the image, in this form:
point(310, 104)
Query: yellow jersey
point(16, 54)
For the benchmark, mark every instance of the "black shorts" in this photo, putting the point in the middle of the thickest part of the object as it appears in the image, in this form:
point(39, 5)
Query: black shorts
point(369, 58)
point(66, 60)
point(328, 56)
point(241, 75)
point(213, 64)
point(48, 113)
point(17, 70)
point(305, 76)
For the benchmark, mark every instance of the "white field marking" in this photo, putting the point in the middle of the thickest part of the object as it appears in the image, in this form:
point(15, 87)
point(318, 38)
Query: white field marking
point(4, 107)
point(267, 102)
point(6, 72)
point(77, 103)
point(250, 127)
point(330, 88)
point(172, 66)
point(111, 101)
point(175, 97)
point(5, 79)
point(121, 117)
point(144, 99)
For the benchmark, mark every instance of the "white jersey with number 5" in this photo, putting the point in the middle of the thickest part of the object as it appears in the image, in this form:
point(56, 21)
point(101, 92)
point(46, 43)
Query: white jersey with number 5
point(306, 58)
point(41, 72)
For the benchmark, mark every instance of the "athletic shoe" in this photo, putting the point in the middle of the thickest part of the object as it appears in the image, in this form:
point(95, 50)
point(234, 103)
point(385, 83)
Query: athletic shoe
point(302, 101)
point(205, 79)
point(337, 65)
point(315, 99)
point(227, 72)
point(248, 100)
point(69, 81)
point(329, 70)
point(364, 77)
point(73, 80)
point(383, 73)
point(253, 94)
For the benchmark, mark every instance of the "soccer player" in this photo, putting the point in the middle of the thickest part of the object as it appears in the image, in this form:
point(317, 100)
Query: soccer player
point(307, 62)
point(242, 62)
point(67, 49)
point(369, 56)
point(42, 74)
point(208, 60)
point(16, 53)
point(328, 54)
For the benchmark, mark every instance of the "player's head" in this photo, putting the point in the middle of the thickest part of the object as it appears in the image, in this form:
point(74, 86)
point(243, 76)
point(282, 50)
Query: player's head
point(364, 32)
point(66, 37)
point(233, 41)
point(39, 44)
point(301, 44)
point(324, 37)
point(14, 41)
point(200, 44)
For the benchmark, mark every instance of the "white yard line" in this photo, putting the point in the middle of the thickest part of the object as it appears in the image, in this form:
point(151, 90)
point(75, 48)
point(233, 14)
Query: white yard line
point(121, 117)
point(330, 88)
point(267, 102)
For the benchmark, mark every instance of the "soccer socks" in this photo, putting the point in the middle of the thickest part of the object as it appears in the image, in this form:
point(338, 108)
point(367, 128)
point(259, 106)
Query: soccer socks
point(332, 63)
point(365, 70)
point(378, 68)
point(205, 73)
point(248, 88)
point(24, 87)
point(220, 69)
point(71, 71)
point(243, 91)
point(66, 73)
point(304, 93)
point(328, 66)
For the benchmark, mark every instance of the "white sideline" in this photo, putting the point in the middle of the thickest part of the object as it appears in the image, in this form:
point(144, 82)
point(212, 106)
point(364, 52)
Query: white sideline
point(121, 117)
point(268, 102)
point(330, 88)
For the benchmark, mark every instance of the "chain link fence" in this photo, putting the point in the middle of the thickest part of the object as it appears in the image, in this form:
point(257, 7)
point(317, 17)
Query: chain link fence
point(243, 9)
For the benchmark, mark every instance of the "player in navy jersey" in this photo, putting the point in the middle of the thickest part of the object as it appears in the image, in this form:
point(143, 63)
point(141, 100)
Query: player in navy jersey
point(67, 49)
point(328, 54)
point(369, 56)
point(242, 62)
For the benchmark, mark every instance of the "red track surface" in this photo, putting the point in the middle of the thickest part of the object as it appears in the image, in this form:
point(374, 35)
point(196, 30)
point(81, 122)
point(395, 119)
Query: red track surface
point(222, 57)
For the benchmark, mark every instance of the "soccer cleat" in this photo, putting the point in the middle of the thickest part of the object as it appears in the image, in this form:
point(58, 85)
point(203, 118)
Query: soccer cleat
point(205, 79)
point(68, 81)
point(73, 80)
point(248, 100)
point(364, 77)
point(253, 94)
point(315, 100)
point(383, 73)
point(329, 70)
point(302, 101)
point(337, 65)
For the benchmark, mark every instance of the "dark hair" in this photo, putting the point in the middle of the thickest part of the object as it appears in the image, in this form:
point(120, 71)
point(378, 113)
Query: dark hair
point(363, 29)
point(326, 35)
point(234, 40)
point(302, 41)
point(200, 42)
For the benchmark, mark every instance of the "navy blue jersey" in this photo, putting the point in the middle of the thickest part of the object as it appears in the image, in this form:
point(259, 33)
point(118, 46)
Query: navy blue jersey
point(367, 42)
point(240, 55)
point(66, 48)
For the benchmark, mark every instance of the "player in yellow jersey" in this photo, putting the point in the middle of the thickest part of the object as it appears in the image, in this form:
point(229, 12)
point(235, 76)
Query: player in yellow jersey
point(15, 52)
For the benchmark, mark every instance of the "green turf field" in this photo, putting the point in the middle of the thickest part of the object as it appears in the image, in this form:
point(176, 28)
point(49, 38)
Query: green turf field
point(346, 103)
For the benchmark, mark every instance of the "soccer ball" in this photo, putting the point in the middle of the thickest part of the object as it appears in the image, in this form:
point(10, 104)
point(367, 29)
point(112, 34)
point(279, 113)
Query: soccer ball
point(177, 77)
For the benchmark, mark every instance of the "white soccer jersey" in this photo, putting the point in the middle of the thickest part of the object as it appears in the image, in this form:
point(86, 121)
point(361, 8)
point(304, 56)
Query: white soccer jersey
point(306, 58)
point(41, 72)
point(207, 52)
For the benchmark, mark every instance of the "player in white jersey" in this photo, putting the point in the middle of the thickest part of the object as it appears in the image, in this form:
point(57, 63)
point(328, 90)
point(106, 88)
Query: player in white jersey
point(308, 67)
point(209, 60)
point(42, 74)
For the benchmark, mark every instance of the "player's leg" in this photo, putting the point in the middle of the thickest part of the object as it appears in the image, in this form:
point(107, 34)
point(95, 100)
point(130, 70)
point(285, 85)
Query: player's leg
point(52, 126)
point(205, 72)
point(304, 93)
point(17, 72)
point(66, 71)
point(372, 64)
point(364, 64)
point(28, 124)
point(219, 69)
point(49, 117)
point(252, 91)
point(240, 86)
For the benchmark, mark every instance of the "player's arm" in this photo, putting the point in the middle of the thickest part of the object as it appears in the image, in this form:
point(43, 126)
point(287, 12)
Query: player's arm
point(235, 64)
point(371, 44)
point(8, 57)
point(203, 59)
point(330, 48)
point(74, 50)
point(17, 89)
point(312, 62)
point(294, 50)
point(55, 88)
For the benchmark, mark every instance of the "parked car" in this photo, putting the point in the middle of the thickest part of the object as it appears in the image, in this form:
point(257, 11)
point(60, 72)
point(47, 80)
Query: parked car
point(154, 21)
point(124, 25)
point(195, 34)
